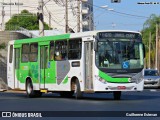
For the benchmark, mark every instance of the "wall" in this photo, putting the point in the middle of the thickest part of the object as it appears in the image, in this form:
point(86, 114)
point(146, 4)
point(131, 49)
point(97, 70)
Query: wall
point(6, 36)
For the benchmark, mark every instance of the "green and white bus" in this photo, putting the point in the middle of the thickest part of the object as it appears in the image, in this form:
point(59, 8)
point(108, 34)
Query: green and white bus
point(77, 63)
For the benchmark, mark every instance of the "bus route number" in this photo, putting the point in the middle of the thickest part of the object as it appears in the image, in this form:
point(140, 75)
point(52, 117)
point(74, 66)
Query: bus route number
point(117, 35)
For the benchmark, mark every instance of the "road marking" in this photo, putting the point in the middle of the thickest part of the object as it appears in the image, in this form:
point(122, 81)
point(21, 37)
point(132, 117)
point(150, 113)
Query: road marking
point(153, 90)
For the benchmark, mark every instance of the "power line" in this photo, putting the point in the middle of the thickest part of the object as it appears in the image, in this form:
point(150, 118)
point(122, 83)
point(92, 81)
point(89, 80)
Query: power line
point(121, 13)
point(46, 14)
point(59, 2)
point(130, 14)
point(47, 2)
point(58, 23)
point(52, 14)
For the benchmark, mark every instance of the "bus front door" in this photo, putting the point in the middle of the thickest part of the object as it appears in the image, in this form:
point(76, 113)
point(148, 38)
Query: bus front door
point(88, 65)
point(43, 65)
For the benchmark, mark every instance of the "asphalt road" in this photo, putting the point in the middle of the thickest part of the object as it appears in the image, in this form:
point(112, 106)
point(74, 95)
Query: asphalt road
point(148, 100)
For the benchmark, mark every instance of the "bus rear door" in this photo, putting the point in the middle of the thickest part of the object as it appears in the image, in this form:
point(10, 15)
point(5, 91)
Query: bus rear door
point(10, 66)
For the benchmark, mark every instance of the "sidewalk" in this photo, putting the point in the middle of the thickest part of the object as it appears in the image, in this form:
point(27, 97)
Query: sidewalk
point(2, 90)
point(3, 85)
point(5, 88)
point(15, 91)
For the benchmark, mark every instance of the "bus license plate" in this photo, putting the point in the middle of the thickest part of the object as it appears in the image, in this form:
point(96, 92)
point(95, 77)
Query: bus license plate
point(121, 87)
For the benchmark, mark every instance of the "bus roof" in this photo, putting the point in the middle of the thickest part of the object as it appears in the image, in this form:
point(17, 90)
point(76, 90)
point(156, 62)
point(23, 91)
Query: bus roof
point(67, 36)
point(93, 33)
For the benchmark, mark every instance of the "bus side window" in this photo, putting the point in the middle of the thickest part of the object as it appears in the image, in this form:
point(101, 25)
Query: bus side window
point(33, 52)
point(51, 51)
point(11, 54)
point(25, 52)
point(74, 49)
point(61, 50)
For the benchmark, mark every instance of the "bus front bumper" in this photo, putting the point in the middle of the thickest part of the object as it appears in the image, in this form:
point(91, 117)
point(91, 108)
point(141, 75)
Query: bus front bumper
point(120, 86)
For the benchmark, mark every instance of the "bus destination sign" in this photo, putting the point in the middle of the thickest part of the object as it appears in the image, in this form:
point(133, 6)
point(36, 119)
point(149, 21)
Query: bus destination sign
point(125, 35)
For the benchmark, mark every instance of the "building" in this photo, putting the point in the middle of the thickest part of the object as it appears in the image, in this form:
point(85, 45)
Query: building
point(80, 13)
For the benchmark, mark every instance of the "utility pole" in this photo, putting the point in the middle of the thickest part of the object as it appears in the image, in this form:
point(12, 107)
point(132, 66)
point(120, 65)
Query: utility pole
point(18, 6)
point(78, 16)
point(10, 9)
point(18, 12)
point(158, 47)
point(40, 18)
point(150, 36)
point(156, 56)
point(66, 17)
point(3, 14)
point(49, 20)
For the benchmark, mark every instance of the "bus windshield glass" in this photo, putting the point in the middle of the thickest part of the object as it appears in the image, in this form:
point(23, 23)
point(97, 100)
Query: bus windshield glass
point(120, 52)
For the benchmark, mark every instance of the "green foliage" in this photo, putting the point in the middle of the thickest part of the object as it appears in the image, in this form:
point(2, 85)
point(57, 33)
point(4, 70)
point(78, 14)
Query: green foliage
point(2, 46)
point(26, 20)
point(150, 26)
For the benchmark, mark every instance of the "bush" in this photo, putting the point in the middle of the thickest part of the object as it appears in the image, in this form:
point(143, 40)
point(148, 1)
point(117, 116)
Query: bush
point(2, 46)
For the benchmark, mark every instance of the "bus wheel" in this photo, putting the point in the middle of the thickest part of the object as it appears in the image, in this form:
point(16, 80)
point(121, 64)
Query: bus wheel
point(29, 89)
point(77, 91)
point(117, 95)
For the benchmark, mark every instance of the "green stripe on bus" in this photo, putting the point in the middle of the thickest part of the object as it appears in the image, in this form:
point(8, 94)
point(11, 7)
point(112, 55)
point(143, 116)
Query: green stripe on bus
point(65, 80)
point(42, 39)
point(107, 78)
point(51, 77)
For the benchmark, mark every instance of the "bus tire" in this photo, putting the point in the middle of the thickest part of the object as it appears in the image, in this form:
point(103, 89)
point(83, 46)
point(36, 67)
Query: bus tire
point(78, 93)
point(117, 95)
point(29, 89)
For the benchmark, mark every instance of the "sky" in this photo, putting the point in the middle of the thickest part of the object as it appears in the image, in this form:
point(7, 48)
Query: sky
point(104, 18)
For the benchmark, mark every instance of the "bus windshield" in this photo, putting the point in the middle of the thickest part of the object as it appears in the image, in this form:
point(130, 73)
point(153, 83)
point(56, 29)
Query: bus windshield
point(119, 53)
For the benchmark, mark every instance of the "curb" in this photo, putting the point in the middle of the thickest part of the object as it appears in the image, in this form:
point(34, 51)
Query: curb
point(15, 91)
point(2, 90)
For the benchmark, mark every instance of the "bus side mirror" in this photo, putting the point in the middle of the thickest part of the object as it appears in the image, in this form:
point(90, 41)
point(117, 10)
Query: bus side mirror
point(144, 51)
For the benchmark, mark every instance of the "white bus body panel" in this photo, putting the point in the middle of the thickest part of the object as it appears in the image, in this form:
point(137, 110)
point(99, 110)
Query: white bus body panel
point(10, 67)
point(100, 86)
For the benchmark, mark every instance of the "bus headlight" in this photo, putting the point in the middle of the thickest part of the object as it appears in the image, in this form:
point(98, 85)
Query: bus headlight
point(129, 79)
point(137, 78)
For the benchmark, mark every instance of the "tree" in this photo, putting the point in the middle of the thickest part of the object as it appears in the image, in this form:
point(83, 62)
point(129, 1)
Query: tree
point(26, 20)
point(2, 46)
point(150, 26)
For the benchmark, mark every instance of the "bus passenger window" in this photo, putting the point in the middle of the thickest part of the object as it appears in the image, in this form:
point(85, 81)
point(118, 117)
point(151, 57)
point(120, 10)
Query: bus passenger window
point(51, 53)
point(33, 52)
point(58, 56)
point(74, 49)
point(25, 52)
point(61, 50)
